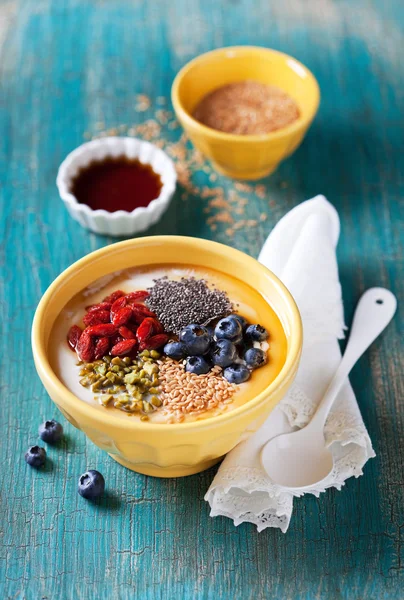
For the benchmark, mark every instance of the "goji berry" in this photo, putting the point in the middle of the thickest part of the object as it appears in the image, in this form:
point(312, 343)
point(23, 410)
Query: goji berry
point(126, 333)
point(101, 348)
point(116, 338)
point(96, 317)
point(114, 296)
point(118, 304)
point(99, 306)
point(102, 330)
point(157, 327)
point(145, 329)
point(140, 312)
point(156, 341)
point(124, 347)
point(122, 316)
point(143, 309)
point(132, 325)
point(138, 296)
point(73, 336)
point(85, 347)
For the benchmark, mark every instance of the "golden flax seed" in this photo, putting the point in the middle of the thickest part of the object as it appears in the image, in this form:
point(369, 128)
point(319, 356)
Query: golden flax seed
point(190, 393)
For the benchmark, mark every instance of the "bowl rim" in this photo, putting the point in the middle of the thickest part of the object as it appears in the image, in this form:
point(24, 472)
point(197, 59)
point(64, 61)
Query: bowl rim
point(167, 188)
point(47, 374)
point(296, 125)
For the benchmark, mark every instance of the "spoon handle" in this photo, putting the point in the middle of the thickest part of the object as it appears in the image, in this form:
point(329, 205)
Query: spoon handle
point(373, 313)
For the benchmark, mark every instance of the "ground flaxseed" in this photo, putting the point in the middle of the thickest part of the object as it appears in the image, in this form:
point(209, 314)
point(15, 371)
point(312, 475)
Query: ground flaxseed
point(188, 300)
point(247, 108)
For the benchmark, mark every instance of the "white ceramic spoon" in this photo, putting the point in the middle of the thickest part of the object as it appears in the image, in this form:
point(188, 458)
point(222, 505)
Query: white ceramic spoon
point(301, 459)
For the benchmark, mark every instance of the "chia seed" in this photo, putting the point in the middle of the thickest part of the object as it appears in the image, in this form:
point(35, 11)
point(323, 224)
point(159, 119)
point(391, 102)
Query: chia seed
point(189, 300)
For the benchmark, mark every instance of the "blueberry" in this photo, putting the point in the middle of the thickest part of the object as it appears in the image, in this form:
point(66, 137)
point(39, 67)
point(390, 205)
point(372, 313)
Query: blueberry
point(229, 328)
point(50, 431)
point(243, 346)
point(236, 373)
point(197, 365)
point(243, 322)
point(255, 357)
point(91, 485)
point(175, 350)
point(196, 339)
point(224, 353)
point(35, 456)
point(211, 330)
point(256, 333)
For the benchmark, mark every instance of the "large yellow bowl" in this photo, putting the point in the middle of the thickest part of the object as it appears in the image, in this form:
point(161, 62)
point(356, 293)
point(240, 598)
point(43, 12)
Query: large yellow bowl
point(245, 156)
point(158, 449)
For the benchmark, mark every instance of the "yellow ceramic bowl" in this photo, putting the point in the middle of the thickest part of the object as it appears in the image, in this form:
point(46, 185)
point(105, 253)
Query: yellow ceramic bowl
point(245, 156)
point(158, 449)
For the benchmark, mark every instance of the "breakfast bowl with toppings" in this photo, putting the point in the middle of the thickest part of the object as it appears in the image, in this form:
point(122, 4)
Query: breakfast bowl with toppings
point(167, 351)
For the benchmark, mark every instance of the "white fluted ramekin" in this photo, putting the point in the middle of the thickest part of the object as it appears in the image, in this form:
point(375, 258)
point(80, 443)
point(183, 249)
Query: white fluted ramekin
point(121, 222)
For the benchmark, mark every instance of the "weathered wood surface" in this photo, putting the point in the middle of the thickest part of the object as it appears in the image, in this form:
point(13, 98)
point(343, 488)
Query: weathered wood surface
point(65, 67)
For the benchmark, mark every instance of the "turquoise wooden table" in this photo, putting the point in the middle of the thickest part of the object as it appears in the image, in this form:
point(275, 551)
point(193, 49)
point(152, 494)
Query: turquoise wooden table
point(74, 68)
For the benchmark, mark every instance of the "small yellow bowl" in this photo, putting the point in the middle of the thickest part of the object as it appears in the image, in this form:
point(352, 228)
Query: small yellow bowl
point(245, 156)
point(158, 449)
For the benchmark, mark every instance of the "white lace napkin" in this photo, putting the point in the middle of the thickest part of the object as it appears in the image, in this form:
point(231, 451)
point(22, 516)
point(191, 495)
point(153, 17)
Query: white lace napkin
point(301, 251)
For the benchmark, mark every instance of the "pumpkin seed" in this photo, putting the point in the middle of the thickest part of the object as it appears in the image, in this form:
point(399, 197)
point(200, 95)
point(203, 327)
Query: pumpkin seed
point(122, 400)
point(98, 384)
point(101, 369)
point(131, 385)
point(105, 399)
point(150, 368)
point(118, 361)
point(147, 407)
point(131, 378)
point(155, 401)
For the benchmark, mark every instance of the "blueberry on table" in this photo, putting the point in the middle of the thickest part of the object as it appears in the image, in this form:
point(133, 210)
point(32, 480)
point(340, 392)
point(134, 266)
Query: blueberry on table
point(50, 431)
point(91, 485)
point(256, 333)
point(229, 328)
point(224, 353)
point(236, 373)
point(175, 350)
point(196, 339)
point(197, 365)
point(35, 456)
point(255, 357)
